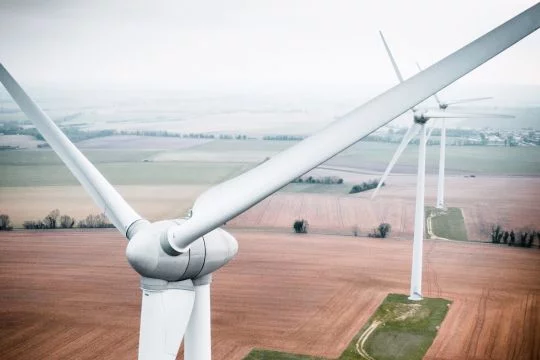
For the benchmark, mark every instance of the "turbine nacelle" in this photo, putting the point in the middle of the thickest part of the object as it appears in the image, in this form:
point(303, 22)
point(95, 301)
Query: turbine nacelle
point(205, 255)
point(420, 117)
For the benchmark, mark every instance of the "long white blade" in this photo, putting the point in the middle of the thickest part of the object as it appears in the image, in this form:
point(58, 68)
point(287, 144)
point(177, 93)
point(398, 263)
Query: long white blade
point(435, 114)
point(396, 69)
point(165, 315)
point(409, 135)
point(107, 198)
point(435, 95)
point(434, 125)
point(462, 101)
point(221, 203)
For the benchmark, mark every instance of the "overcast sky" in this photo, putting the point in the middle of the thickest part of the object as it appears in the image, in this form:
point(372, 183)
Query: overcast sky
point(249, 44)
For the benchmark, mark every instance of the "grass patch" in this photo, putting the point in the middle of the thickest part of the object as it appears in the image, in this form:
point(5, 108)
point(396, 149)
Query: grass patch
point(447, 223)
point(406, 330)
point(259, 354)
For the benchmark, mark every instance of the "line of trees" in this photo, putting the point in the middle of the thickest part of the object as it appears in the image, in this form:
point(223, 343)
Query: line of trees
point(319, 180)
point(284, 137)
point(54, 220)
point(381, 231)
point(364, 186)
point(522, 238)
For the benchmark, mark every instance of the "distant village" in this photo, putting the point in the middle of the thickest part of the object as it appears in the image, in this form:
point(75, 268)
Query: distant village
point(466, 137)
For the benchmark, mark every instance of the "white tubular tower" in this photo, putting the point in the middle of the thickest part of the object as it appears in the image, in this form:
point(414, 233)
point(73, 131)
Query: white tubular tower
point(198, 338)
point(442, 158)
point(416, 272)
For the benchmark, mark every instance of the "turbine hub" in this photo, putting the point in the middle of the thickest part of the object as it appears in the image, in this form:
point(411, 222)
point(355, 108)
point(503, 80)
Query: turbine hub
point(204, 256)
point(420, 118)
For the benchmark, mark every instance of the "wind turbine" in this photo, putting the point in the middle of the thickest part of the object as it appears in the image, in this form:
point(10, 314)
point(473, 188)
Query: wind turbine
point(420, 118)
point(440, 204)
point(176, 258)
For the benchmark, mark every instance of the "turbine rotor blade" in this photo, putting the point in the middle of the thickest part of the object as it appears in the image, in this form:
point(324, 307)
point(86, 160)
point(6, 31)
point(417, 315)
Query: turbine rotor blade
point(435, 95)
point(435, 114)
point(102, 192)
point(409, 135)
point(462, 101)
point(396, 69)
point(435, 124)
point(221, 203)
point(165, 313)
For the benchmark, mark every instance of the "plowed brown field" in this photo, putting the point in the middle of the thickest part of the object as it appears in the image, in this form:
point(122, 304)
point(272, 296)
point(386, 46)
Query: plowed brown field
point(510, 201)
point(72, 295)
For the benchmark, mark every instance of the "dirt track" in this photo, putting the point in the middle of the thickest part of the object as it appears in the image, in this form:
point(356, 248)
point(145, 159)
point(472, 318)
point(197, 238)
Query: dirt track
point(72, 295)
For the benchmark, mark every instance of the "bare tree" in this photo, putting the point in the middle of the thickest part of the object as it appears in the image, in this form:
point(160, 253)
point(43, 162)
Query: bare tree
point(51, 219)
point(5, 223)
point(66, 221)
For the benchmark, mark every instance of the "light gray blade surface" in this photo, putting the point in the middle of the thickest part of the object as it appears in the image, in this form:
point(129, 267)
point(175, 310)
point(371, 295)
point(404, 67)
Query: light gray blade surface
point(107, 198)
point(409, 135)
point(227, 200)
point(463, 101)
point(394, 64)
point(435, 95)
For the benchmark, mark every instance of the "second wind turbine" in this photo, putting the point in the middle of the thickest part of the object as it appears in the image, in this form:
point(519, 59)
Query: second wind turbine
point(420, 118)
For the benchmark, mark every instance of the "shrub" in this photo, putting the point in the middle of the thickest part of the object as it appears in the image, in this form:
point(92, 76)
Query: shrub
point(364, 186)
point(381, 231)
point(300, 226)
point(31, 224)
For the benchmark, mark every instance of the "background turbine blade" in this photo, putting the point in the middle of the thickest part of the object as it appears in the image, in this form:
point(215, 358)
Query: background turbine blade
point(396, 69)
point(102, 192)
point(409, 135)
point(435, 124)
point(462, 101)
point(223, 202)
point(435, 114)
point(164, 318)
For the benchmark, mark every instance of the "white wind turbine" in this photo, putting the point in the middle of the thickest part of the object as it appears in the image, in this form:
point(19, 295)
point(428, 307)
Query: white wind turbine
point(440, 204)
point(420, 118)
point(176, 258)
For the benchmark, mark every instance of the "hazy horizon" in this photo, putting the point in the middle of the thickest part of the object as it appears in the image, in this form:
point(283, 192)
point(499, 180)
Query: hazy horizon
point(264, 46)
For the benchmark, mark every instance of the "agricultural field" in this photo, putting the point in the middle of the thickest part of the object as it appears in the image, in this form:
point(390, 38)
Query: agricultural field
point(303, 294)
point(340, 213)
point(35, 182)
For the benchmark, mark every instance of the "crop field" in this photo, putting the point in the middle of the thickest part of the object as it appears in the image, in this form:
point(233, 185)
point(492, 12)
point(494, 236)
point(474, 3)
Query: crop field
point(71, 294)
point(339, 213)
point(35, 182)
point(152, 202)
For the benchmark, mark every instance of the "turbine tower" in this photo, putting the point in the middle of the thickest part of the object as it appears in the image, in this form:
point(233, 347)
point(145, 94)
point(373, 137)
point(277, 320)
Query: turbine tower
point(176, 258)
point(419, 126)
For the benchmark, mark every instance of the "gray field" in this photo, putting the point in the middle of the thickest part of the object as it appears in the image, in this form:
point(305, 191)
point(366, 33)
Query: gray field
point(215, 161)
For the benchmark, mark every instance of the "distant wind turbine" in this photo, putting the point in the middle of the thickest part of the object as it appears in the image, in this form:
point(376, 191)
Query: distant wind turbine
point(420, 118)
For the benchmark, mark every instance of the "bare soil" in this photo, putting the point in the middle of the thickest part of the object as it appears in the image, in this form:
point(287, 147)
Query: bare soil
point(510, 201)
point(71, 294)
